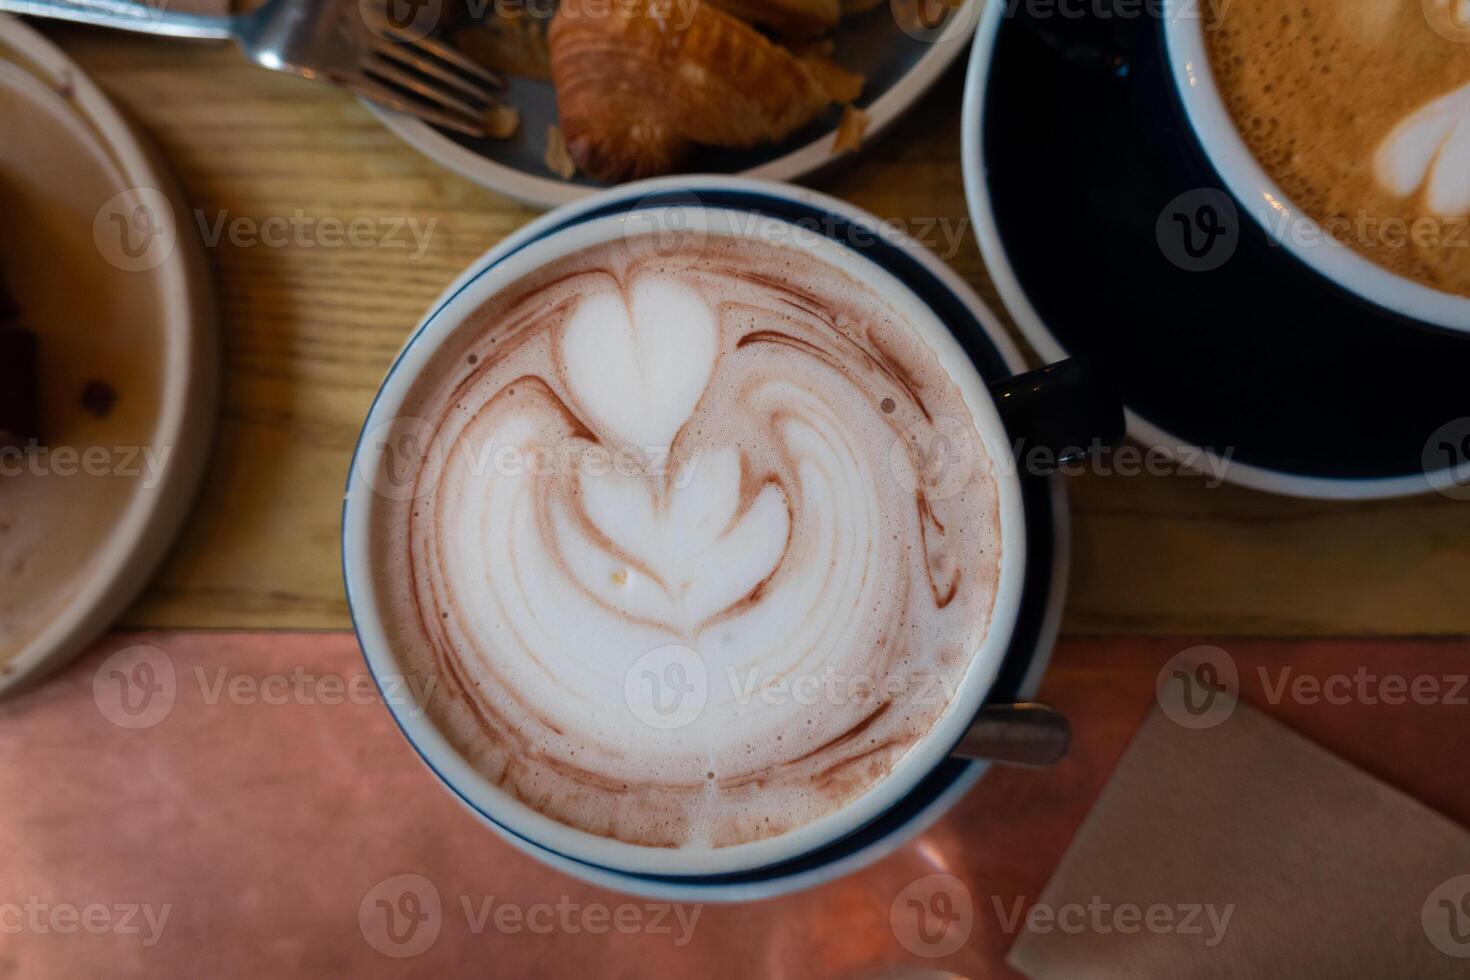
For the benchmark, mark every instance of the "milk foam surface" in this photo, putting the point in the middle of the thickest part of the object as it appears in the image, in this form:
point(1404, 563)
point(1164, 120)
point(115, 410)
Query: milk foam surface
point(683, 560)
point(1360, 111)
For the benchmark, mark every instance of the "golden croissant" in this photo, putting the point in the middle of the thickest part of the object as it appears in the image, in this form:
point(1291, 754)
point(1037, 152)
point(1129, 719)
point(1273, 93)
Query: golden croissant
point(641, 82)
point(792, 18)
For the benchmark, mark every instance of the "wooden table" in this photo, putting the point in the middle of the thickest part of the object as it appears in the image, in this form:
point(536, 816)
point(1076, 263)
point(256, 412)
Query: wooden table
point(218, 811)
point(309, 331)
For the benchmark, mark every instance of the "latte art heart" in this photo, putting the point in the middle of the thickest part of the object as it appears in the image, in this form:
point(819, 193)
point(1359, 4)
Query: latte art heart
point(637, 360)
point(676, 569)
point(1431, 150)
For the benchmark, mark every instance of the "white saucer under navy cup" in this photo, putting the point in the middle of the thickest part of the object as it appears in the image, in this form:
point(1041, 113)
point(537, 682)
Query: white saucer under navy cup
point(1042, 500)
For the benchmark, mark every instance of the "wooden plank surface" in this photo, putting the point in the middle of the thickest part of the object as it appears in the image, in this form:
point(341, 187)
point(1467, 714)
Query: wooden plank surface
point(213, 804)
point(309, 331)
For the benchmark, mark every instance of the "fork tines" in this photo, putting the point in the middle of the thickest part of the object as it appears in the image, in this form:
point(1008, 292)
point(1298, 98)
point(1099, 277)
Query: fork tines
point(427, 78)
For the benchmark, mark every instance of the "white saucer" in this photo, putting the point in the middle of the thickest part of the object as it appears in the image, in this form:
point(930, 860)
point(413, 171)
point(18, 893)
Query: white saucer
point(1050, 610)
point(899, 69)
point(85, 522)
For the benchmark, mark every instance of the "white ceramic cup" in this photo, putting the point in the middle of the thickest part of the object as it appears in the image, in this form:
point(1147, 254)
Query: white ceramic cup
point(512, 816)
point(1259, 195)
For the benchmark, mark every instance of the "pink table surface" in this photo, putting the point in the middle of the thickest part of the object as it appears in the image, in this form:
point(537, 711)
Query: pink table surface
point(259, 822)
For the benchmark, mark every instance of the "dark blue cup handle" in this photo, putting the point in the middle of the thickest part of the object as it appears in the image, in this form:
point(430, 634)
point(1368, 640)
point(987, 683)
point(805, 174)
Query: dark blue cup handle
point(1059, 414)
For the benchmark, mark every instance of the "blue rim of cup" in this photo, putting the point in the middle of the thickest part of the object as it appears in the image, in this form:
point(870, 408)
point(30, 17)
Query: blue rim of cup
point(1042, 500)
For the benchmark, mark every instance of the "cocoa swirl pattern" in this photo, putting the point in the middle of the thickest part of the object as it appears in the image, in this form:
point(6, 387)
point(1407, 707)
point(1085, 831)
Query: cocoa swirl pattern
point(723, 454)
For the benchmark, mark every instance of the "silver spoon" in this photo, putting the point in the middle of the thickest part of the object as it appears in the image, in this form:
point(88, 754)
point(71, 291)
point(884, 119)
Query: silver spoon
point(1026, 733)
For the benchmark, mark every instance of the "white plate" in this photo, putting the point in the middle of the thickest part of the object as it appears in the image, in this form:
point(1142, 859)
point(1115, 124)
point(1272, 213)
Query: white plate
point(898, 68)
point(86, 521)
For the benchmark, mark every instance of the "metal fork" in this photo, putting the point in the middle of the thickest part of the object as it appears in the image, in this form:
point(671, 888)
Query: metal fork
point(342, 42)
